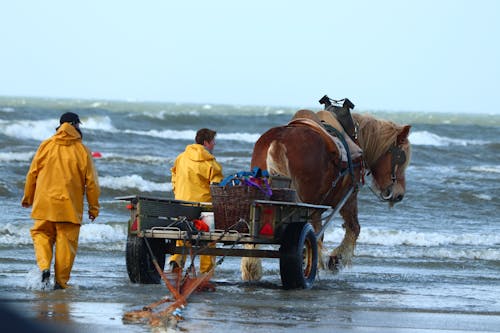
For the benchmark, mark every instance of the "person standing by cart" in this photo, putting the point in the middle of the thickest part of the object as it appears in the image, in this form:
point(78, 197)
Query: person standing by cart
point(193, 172)
point(61, 172)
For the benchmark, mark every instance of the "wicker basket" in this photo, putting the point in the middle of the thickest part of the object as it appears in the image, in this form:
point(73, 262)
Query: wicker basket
point(232, 203)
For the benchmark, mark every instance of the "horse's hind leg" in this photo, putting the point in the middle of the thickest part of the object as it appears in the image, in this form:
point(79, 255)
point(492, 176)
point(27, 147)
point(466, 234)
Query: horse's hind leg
point(251, 267)
point(342, 255)
point(316, 223)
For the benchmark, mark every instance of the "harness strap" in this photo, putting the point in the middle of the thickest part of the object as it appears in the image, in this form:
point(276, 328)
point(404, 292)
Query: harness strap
point(333, 131)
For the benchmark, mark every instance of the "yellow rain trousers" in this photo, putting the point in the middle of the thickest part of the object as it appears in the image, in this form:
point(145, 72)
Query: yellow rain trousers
point(45, 234)
point(206, 262)
point(193, 172)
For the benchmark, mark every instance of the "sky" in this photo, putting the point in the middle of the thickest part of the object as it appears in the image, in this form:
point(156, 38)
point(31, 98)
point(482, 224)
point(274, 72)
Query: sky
point(425, 55)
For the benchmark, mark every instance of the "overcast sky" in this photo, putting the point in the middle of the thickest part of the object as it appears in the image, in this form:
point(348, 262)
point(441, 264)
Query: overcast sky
point(425, 55)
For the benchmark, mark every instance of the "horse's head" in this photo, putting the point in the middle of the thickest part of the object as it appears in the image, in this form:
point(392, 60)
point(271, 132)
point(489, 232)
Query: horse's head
point(387, 153)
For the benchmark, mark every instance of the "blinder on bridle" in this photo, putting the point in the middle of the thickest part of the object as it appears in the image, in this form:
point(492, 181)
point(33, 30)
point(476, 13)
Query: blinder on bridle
point(398, 158)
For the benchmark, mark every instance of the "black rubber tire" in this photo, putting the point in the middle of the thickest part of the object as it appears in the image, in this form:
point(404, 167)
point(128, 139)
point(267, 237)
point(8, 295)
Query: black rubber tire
point(140, 267)
point(298, 256)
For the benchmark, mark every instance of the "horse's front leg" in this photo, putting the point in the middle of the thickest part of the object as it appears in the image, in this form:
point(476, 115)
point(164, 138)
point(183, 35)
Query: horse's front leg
point(342, 255)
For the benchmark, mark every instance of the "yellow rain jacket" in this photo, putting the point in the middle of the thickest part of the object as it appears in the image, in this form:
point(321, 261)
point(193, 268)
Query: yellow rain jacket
point(61, 172)
point(193, 172)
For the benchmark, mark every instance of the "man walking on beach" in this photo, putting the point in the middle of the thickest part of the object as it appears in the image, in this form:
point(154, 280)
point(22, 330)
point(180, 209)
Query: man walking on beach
point(193, 172)
point(61, 172)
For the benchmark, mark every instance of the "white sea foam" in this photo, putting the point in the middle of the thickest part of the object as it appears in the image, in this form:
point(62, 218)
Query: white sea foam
point(157, 115)
point(101, 233)
point(11, 156)
point(94, 235)
point(188, 135)
point(43, 129)
point(133, 181)
point(388, 237)
point(27, 129)
point(425, 138)
point(372, 242)
point(484, 197)
point(98, 236)
point(14, 234)
point(98, 123)
point(34, 281)
point(487, 168)
point(242, 137)
point(432, 252)
point(148, 159)
point(166, 134)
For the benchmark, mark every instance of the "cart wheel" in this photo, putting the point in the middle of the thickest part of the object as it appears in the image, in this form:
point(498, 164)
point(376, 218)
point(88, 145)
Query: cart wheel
point(298, 256)
point(140, 267)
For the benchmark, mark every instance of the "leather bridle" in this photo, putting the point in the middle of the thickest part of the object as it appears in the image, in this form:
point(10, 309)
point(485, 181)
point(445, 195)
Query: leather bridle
point(398, 158)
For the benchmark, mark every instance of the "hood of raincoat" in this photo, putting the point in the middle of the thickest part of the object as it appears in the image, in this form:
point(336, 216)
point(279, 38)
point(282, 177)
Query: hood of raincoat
point(198, 153)
point(193, 172)
point(61, 172)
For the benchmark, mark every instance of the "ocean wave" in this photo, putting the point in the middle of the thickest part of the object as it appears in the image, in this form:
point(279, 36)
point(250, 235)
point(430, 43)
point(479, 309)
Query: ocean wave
point(43, 129)
point(483, 196)
point(30, 129)
point(164, 110)
point(241, 137)
point(492, 254)
point(102, 233)
point(372, 243)
point(98, 123)
point(486, 168)
point(425, 138)
point(165, 134)
point(15, 157)
point(188, 135)
point(7, 109)
point(158, 160)
point(13, 234)
point(90, 233)
point(133, 181)
point(146, 159)
point(389, 237)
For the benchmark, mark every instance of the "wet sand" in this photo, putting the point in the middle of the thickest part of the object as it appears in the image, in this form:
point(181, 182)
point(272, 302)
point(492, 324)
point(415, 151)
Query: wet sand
point(232, 307)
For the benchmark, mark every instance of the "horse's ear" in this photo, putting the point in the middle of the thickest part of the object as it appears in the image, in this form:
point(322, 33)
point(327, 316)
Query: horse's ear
point(403, 135)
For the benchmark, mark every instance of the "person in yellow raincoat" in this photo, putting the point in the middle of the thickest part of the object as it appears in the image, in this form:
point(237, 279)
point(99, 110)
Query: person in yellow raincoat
point(193, 172)
point(61, 172)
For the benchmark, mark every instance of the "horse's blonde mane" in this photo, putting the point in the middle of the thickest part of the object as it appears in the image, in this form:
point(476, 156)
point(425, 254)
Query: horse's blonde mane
point(375, 136)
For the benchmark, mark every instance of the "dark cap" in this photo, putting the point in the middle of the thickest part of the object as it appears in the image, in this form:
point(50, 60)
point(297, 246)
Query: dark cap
point(70, 117)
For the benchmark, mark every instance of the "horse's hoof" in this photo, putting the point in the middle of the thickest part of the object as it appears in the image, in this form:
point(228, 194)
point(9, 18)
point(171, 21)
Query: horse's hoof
point(334, 264)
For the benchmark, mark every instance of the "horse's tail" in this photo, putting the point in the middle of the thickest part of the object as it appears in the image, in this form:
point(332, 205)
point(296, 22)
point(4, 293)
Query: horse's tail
point(276, 159)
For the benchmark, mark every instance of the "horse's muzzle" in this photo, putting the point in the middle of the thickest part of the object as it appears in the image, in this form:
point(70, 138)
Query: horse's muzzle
point(390, 195)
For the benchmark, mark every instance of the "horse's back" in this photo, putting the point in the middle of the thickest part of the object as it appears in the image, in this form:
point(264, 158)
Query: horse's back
point(298, 152)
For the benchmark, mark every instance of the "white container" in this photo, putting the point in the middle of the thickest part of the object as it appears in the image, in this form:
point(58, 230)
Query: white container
point(208, 218)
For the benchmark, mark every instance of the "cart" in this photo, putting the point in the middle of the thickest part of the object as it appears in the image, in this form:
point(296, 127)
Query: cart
point(157, 223)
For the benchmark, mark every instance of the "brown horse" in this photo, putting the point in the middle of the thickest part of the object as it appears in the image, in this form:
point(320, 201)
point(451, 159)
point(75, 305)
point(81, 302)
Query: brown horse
point(318, 172)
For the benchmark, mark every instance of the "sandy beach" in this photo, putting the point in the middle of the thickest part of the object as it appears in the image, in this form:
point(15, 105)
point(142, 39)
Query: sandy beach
point(107, 317)
point(331, 306)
